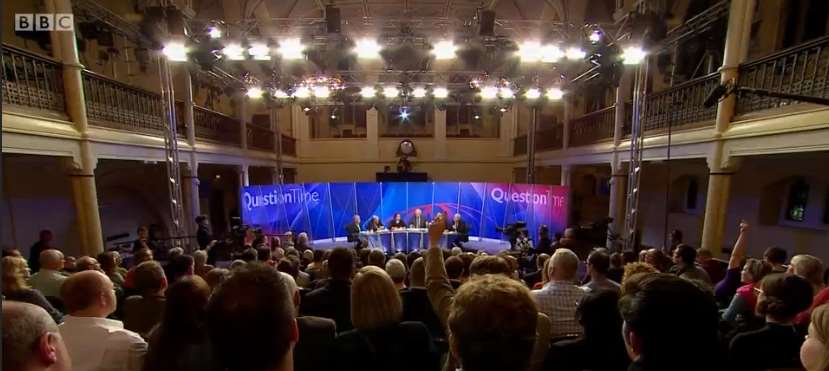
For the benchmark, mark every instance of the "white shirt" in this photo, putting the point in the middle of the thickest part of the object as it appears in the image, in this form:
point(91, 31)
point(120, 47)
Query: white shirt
point(100, 344)
point(48, 282)
point(559, 300)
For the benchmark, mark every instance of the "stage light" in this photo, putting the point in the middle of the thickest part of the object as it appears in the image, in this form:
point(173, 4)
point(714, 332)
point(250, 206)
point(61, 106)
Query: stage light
point(477, 117)
point(529, 51)
point(532, 93)
point(302, 92)
point(259, 52)
point(306, 109)
point(333, 117)
point(595, 36)
point(368, 92)
point(489, 92)
point(254, 92)
point(554, 94)
point(506, 93)
point(321, 91)
point(234, 52)
point(551, 54)
point(214, 32)
point(419, 92)
point(440, 92)
point(503, 109)
point(175, 51)
point(367, 49)
point(390, 92)
point(281, 94)
point(291, 49)
point(444, 49)
point(575, 53)
point(404, 114)
point(633, 55)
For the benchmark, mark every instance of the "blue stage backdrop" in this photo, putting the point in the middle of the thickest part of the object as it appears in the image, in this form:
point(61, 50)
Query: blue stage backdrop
point(323, 209)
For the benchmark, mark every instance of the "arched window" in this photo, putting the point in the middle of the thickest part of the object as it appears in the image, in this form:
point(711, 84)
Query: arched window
point(797, 201)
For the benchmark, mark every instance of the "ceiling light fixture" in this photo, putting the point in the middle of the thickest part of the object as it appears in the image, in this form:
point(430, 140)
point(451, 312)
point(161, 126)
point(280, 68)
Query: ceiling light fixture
point(440, 92)
point(575, 53)
point(595, 36)
point(214, 32)
point(255, 92)
point(175, 51)
point(259, 52)
point(554, 94)
point(419, 92)
point(302, 92)
point(321, 91)
point(368, 92)
point(551, 54)
point(444, 49)
point(633, 55)
point(532, 93)
point(291, 49)
point(489, 92)
point(234, 52)
point(281, 94)
point(529, 51)
point(390, 92)
point(367, 49)
point(506, 93)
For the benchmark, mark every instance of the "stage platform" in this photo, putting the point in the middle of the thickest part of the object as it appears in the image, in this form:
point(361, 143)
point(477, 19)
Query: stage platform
point(490, 246)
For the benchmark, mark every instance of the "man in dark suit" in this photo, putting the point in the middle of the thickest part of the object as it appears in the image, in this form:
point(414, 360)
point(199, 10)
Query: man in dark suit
point(418, 221)
point(333, 299)
point(460, 227)
point(316, 336)
point(353, 229)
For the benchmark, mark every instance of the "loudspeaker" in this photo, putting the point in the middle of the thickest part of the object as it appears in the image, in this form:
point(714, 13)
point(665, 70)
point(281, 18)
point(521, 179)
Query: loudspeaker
point(332, 19)
point(487, 23)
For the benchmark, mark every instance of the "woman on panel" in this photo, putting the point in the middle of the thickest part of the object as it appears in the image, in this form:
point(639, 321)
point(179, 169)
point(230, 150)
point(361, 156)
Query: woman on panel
point(397, 222)
point(375, 224)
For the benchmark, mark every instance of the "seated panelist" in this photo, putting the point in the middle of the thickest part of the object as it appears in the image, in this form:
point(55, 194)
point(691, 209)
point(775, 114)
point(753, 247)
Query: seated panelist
point(353, 229)
point(397, 222)
point(418, 221)
point(375, 224)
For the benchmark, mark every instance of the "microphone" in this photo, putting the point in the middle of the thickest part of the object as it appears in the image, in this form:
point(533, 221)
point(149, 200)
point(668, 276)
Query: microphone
point(714, 96)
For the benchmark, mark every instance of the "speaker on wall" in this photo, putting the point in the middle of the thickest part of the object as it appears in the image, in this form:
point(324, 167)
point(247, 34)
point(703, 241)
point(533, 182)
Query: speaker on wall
point(332, 19)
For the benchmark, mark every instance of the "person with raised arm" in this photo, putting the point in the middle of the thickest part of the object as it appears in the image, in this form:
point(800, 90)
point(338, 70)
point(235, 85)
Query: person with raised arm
point(726, 288)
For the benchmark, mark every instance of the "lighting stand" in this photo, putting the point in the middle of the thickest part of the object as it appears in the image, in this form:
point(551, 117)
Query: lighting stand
point(637, 138)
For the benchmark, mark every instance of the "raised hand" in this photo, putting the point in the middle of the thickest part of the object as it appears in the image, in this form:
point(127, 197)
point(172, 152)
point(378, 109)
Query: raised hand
point(436, 230)
point(744, 226)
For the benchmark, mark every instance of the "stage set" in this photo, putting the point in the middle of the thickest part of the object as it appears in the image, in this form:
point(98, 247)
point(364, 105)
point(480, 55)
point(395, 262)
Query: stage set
point(325, 212)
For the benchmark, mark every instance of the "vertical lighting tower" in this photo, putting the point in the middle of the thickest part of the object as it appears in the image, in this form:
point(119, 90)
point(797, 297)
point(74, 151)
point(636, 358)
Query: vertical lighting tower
point(637, 138)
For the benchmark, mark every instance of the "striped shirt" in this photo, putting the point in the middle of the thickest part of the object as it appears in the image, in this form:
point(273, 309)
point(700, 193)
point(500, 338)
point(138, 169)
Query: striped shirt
point(559, 300)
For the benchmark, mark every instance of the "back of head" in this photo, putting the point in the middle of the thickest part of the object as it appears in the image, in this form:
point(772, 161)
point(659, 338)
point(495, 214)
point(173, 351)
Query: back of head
point(149, 277)
point(564, 264)
point(376, 258)
point(216, 276)
point(185, 306)
point(775, 255)
point(758, 269)
point(540, 260)
point(250, 320)
point(808, 267)
point(635, 268)
point(417, 273)
point(286, 265)
point(375, 302)
point(396, 270)
point(784, 296)
point(87, 263)
point(263, 254)
point(108, 260)
point(617, 260)
point(23, 326)
point(341, 264)
point(490, 265)
point(52, 259)
point(199, 258)
point(598, 313)
point(600, 261)
point(686, 253)
point(142, 255)
point(249, 255)
point(176, 251)
point(492, 323)
point(454, 267)
point(456, 251)
point(84, 290)
point(181, 266)
point(660, 306)
point(411, 257)
point(820, 326)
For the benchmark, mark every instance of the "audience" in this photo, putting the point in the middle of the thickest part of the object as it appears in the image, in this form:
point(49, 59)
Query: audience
point(200, 266)
point(814, 353)
point(535, 276)
point(87, 263)
point(109, 265)
point(745, 299)
point(685, 258)
point(416, 305)
point(454, 270)
point(179, 267)
point(376, 258)
point(727, 287)
point(776, 256)
point(44, 242)
point(49, 278)
point(333, 299)
point(809, 268)
point(215, 277)
point(143, 311)
point(397, 271)
point(706, 261)
point(617, 267)
point(31, 340)
point(559, 298)
point(138, 257)
point(95, 342)
point(15, 273)
point(316, 335)
point(598, 265)
point(380, 339)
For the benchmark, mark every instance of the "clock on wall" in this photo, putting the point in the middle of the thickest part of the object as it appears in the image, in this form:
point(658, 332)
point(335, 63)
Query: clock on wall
point(405, 149)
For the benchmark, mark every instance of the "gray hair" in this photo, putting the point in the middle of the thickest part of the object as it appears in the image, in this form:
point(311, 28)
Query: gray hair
point(23, 325)
point(396, 270)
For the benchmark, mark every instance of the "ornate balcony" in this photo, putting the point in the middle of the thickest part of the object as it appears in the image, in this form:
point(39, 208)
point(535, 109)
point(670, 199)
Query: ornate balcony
point(32, 81)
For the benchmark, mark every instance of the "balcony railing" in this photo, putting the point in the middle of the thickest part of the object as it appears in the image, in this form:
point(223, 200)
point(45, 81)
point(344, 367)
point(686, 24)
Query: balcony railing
point(214, 126)
point(260, 138)
point(802, 69)
point(31, 80)
point(681, 106)
point(593, 127)
point(546, 139)
point(116, 105)
point(288, 145)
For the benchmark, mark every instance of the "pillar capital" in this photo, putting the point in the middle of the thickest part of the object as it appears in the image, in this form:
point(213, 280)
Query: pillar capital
point(723, 164)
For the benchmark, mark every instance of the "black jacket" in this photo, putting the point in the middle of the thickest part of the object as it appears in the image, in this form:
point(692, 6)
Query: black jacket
point(332, 300)
point(415, 224)
point(353, 231)
point(406, 346)
point(416, 307)
point(316, 341)
point(462, 229)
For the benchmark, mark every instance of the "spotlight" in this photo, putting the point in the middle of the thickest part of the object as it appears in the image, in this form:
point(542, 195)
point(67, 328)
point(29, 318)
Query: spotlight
point(506, 93)
point(440, 92)
point(551, 54)
point(529, 51)
point(367, 49)
point(575, 53)
point(302, 92)
point(503, 109)
point(595, 36)
point(234, 52)
point(281, 94)
point(259, 52)
point(404, 114)
point(489, 92)
point(254, 92)
point(175, 51)
point(291, 49)
point(532, 93)
point(321, 91)
point(306, 109)
point(554, 94)
point(444, 49)
point(333, 117)
point(390, 92)
point(477, 117)
point(214, 32)
point(633, 55)
point(419, 92)
point(367, 92)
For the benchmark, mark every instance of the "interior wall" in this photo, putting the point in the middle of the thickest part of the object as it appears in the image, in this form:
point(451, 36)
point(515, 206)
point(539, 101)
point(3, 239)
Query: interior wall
point(439, 172)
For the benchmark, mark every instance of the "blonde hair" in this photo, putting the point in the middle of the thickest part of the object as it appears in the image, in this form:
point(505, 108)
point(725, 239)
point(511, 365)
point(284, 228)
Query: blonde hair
point(566, 260)
point(375, 301)
point(820, 322)
point(14, 277)
point(810, 268)
point(637, 267)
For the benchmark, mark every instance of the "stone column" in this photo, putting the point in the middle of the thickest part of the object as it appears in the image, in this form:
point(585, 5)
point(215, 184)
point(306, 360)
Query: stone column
point(372, 150)
point(618, 201)
point(736, 48)
point(568, 116)
point(242, 116)
point(508, 130)
point(716, 203)
point(301, 127)
point(565, 175)
point(244, 178)
point(190, 189)
point(85, 199)
point(440, 134)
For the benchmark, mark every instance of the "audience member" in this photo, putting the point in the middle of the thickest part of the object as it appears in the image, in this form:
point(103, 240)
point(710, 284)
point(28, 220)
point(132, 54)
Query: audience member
point(11, 251)
point(809, 268)
point(95, 342)
point(251, 321)
point(302, 243)
point(821, 298)
point(777, 345)
point(376, 258)
point(139, 257)
point(249, 255)
point(69, 264)
point(814, 353)
point(44, 242)
point(49, 278)
point(727, 287)
point(534, 277)
point(333, 299)
point(215, 277)
point(380, 339)
point(636, 268)
point(617, 267)
point(658, 260)
point(598, 314)
point(180, 342)
point(454, 270)
point(416, 305)
point(545, 244)
point(776, 256)
point(143, 241)
point(109, 265)
point(685, 258)
point(87, 263)
point(316, 335)
point(237, 264)
point(31, 341)
point(315, 266)
point(15, 273)
point(714, 268)
point(145, 310)
point(669, 324)
point(745, 299)
point(200, 263)
point(560, 297)
point(203, 235)
point(397, 271)
point(180, 266)
point(598, 265)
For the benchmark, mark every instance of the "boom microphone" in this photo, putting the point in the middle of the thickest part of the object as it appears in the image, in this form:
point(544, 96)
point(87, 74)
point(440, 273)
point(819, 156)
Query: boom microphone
point(714, 96)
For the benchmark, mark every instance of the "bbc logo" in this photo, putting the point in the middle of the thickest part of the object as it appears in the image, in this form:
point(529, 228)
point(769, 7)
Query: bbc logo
point(44, 22)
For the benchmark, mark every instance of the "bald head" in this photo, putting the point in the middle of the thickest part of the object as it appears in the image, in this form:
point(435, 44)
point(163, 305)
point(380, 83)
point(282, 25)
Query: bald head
point(564, 265)
point(88, 294)
point(31, 340)
point(51, 259)
point(87, 263)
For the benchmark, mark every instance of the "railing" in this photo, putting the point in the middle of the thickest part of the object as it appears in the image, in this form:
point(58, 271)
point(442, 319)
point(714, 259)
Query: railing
point(681, 106)
point(214, 126)
point(112, 104)
point(288, 145)
point(519, 145)
point(31, 80)
point(259, 138)
point(593, 127)
point(545, 140)
point(802, 69)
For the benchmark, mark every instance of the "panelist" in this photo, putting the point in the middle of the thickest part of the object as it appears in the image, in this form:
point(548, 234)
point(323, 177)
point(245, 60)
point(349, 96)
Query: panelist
point(397, 222)
point(353, 229)
point(375, 224)
point(459, 226)
point(418, 221)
